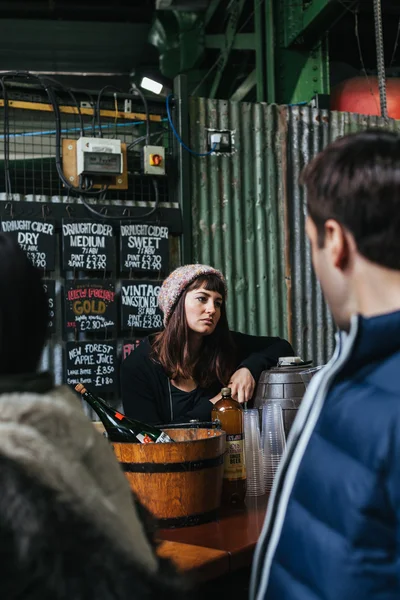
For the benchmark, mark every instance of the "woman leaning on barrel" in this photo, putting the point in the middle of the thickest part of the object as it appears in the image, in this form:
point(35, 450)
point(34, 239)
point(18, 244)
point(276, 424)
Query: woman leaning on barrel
point(176, 375)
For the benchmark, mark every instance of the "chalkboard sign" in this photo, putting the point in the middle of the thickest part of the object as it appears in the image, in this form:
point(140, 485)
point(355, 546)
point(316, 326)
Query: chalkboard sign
point(50, 289)
point(93, 364)
point(90, 305)
point(36, 237)
point(144, 248)
point(139, 307)
point(87, 245)
point(129, 345)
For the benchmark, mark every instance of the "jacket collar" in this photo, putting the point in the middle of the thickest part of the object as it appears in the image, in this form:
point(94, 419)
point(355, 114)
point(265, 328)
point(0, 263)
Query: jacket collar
point(377, 338)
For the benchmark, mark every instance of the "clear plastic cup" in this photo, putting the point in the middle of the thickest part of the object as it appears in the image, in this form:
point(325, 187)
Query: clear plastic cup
point(253, 454)
point(273, 440)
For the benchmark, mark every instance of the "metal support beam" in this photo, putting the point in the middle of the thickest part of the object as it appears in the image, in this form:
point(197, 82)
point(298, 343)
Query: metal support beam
point(270, 59)
point(230, 33)
point(245, 87)
point(306, 25)
point(182, 161)
point(242, 41)
point(212, 7)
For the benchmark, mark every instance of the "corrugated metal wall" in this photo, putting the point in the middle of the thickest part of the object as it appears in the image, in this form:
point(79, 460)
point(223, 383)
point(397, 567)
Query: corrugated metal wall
point(249, 214)
point(239, 212)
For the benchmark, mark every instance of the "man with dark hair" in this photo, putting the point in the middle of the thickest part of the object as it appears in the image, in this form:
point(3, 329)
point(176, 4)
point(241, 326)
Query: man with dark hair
point(332, 530)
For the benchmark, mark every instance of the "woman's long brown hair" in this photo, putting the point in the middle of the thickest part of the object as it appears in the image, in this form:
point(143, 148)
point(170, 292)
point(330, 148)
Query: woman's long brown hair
point(216, 359)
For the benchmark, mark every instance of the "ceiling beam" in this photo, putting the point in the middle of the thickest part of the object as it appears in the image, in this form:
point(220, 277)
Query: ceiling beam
point(245, 87)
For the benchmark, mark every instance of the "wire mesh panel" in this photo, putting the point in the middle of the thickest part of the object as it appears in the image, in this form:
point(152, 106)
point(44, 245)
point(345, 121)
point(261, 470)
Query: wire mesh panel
point(33, 188)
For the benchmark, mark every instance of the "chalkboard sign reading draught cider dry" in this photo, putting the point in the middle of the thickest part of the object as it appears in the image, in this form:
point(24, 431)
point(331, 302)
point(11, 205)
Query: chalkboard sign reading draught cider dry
point(139, 305)
point(144, 247)
point(36, 237)
point(90, 305)
point(93, 364)
point(87, 245)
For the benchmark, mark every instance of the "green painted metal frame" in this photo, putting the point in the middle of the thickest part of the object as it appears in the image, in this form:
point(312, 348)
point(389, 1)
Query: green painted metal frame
point(245, 87)
point(230, 34)
point(182, 161)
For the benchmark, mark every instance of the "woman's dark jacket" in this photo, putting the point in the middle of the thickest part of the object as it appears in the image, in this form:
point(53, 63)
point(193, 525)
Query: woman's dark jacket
point(146, 389)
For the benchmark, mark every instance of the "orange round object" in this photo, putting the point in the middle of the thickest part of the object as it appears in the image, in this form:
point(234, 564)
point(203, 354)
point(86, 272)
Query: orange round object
point(361, 95)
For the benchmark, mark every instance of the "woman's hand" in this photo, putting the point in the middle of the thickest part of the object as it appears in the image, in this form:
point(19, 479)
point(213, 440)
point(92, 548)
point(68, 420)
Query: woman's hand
point(242, 384)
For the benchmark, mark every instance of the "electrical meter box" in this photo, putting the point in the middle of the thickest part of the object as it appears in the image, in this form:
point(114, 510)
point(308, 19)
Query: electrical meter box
point(98, 156)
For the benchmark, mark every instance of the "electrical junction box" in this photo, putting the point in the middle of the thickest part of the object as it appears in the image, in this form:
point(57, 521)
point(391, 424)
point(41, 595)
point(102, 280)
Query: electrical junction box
point(154, 160)
point(219, 141)
point(98, 156)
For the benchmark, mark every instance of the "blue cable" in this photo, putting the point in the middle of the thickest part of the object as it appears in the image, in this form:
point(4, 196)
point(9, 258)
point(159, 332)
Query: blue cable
point(89, 127)
point(176, 134)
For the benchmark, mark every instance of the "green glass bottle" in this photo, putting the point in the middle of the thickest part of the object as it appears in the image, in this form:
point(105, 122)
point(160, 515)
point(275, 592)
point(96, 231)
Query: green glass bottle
point(119, 427)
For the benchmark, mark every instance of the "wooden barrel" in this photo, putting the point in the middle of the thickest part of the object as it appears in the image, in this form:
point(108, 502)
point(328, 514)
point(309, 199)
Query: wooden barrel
point(181, 482)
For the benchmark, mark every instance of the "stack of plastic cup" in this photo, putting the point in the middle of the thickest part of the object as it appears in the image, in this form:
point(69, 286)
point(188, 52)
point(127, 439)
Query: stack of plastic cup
point(273, 440)
point(253, 454)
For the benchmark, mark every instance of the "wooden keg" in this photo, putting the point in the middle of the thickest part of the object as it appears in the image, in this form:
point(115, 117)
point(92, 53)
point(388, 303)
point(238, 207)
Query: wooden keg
point(179, 483)
point(285, 385)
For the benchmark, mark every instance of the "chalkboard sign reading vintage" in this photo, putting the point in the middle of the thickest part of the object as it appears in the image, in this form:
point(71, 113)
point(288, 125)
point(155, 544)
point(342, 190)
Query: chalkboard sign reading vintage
point(90, 305)
point(92, 363)
point(50, 289)
point(139, 307)
point(144, 248)
point(87, 245)
point(36, 237)
point(129, 345)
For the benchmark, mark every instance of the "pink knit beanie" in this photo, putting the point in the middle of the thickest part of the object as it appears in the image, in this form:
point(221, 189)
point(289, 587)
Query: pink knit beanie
point(176, 283)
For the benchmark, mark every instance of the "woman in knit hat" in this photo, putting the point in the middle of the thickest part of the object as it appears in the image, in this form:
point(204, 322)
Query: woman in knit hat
point(176, 375)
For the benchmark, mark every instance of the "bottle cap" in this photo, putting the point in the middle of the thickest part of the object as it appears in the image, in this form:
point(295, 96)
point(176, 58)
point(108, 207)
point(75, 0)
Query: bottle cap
point(226, 391)
point(80, 388)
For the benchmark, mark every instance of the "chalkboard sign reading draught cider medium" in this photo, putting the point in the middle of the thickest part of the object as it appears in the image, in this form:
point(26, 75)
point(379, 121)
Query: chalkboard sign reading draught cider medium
point(87, 245)
point(139, 304)
point(93, 364)
point(90, 305)
point(36, 237)
point(144, 248)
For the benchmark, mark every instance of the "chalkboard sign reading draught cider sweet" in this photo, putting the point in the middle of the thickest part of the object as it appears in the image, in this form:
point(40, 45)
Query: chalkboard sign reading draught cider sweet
point(87, 245)
point(90, 305)
point(36, 237)
point(93, 364)
point(144, 247)
point(139, 305)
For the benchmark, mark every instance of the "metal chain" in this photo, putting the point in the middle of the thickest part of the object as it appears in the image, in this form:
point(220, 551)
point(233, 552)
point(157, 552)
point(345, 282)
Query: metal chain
point(380, 57)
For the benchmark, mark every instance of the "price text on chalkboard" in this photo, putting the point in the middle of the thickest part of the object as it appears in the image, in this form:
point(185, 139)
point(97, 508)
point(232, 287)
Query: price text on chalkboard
point(36, 237)
point(139, 305)
point(91, 363)
point(88, 245)
point(50, 289)
point(144, 248)
point(90, 305)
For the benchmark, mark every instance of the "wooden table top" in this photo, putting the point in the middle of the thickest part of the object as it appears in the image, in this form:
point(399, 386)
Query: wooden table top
point(235, 534)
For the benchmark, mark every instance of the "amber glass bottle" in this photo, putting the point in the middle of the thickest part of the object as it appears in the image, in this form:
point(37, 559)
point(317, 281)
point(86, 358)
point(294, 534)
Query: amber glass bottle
point(230, 414)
